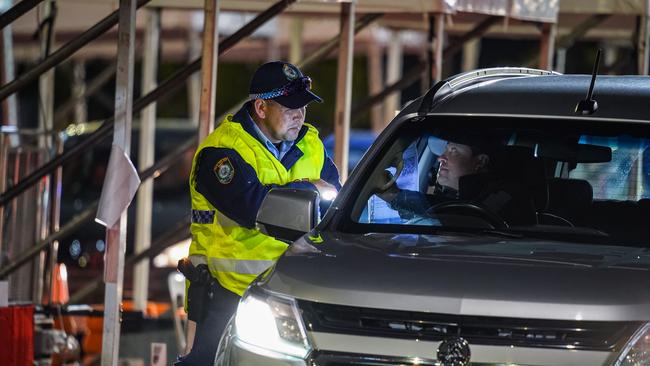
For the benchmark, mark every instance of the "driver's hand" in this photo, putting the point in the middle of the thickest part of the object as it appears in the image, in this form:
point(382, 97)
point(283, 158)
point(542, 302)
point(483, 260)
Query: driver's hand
point(389, 194)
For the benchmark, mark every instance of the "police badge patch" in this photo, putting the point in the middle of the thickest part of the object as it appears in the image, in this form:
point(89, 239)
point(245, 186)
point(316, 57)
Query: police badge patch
point(224, 171)
point(289, 72)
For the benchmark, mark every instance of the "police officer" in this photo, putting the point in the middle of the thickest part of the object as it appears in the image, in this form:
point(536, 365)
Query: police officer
point(266, 144)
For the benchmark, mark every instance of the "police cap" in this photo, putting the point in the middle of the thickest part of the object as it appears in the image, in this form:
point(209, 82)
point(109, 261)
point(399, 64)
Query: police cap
point(283, 83)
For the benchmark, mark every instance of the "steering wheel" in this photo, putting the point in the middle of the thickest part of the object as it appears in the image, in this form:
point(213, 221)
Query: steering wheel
point(471, 209)
point(398, 170)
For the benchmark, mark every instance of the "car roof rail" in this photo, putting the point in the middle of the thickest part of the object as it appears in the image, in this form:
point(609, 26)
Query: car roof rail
point(468, 79)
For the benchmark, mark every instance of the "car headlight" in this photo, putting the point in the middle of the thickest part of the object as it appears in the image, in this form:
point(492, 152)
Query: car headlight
point(272, 323)
point(637, 351)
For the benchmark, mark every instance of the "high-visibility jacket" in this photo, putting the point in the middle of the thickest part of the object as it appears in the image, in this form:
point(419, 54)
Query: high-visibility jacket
point(234, 254)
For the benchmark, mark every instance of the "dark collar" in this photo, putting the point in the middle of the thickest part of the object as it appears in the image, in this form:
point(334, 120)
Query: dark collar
point(475, 185)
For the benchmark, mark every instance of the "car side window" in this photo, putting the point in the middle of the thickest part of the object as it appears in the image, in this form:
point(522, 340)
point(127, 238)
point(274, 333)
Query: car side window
point(626, 177)
point(404, 170)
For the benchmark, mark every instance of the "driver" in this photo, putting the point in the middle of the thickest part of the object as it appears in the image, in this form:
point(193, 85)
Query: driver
point(465, 174)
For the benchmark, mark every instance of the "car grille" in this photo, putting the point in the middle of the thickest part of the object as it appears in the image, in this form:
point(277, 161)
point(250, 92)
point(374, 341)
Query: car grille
point(320, 358)
point(348, 359)
point(587, 335)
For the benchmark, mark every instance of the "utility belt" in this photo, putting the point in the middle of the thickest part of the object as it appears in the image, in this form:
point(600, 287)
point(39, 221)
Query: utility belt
point(201, 290)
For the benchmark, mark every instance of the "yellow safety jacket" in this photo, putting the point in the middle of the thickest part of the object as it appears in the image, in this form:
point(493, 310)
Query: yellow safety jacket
point(236, 255)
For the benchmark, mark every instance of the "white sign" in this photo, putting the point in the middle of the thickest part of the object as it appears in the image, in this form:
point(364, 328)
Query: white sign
point(120, 185)
point(158, 354)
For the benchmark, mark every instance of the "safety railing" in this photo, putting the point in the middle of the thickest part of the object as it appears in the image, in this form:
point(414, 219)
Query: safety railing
point(165, 89)
point(63, 53)
point(171, 84)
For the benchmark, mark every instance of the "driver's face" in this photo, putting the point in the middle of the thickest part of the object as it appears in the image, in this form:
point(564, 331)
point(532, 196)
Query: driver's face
point(455, 162)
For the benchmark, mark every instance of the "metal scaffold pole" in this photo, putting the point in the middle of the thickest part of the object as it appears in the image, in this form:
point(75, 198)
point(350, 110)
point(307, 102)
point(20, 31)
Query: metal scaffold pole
point(10, 105)
point(643, 43)
point(116, 233)
point(393, 73)
point(146, 159)
point(547, 46)
point(47, 15)
point(209, 62)
point(375, 80)
point(439, 34)
point(344, 88)
point(209, 68)
point(295, 39)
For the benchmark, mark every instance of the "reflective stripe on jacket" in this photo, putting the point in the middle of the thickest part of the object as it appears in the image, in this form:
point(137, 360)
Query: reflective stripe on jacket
point(237, 255)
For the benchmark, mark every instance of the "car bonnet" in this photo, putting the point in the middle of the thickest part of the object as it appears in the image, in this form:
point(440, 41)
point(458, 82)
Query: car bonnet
point(471, 275)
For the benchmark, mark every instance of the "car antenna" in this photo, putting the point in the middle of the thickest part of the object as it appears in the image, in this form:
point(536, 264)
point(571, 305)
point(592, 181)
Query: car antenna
point(589, 106)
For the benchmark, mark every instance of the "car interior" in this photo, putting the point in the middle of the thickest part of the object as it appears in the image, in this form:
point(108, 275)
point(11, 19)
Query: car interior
point(581, 181)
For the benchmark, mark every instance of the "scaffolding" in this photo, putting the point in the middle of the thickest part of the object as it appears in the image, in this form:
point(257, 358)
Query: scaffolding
point(31, 159)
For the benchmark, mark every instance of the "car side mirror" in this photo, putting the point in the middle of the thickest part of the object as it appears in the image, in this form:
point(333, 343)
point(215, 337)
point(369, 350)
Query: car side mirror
point(287, 214)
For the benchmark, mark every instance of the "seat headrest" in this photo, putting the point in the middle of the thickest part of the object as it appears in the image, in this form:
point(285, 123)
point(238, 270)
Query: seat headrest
point(518, 163)
point(573, 193)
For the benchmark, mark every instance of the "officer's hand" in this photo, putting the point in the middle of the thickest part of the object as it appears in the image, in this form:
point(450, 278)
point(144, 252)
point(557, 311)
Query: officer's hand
point(301, 247)
point(326, 190)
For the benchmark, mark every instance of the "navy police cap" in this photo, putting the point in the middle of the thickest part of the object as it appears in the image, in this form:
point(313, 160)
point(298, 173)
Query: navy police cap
point(284, 83)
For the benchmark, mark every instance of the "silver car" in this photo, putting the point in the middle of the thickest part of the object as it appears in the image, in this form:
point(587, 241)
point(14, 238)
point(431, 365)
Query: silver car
point(538, 256)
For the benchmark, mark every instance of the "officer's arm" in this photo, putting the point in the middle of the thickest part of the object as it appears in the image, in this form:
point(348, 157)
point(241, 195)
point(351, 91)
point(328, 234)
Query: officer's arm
point(330, 173)
point(231, 185)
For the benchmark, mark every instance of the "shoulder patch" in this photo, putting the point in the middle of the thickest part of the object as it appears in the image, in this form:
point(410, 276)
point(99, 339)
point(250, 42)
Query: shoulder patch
point(224, 170)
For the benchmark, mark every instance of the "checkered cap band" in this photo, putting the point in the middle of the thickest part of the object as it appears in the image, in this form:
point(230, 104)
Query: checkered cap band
point(295, 86)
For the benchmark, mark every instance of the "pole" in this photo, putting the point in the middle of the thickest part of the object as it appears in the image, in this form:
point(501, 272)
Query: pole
point(46, 80)
point(471, 53)
point(7, 72)
point(643, 45)
point(209, 68)
point(295, 40)
point(194, 81)
point(393, 73)
point(146, 159)
point(4, 157)
point(344, 89)
point(208, 102)
point(436, 72)
point(375, 81)
point(547, 47)
point(47, 15)
point(116, 235)
point(55, 218)
point(560, 60)
point(78, 93)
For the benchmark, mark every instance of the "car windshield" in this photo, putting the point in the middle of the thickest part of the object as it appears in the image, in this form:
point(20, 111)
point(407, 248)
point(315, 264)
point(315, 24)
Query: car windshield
point(571, 179)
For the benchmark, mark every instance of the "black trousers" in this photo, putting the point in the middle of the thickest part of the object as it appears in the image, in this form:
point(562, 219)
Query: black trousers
point(208, 331)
